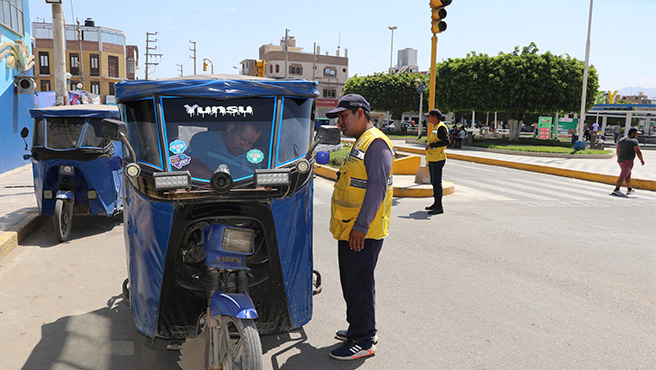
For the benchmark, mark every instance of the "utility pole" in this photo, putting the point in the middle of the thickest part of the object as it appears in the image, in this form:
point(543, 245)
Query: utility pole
point(180, 70)
point(59, 53)
point(148, 53)
point(194, 56)
point(286, 52)
point(80, 59)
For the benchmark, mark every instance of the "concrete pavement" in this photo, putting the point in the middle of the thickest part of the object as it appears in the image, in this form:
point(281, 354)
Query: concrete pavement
point(19, 215)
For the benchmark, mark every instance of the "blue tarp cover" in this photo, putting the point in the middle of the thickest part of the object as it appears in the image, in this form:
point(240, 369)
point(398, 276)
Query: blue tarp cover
point(83, 110)
point(216, 87)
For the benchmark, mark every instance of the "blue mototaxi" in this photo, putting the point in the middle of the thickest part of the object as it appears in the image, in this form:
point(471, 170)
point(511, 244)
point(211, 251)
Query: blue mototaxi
point(218, 210)
point(75, 170)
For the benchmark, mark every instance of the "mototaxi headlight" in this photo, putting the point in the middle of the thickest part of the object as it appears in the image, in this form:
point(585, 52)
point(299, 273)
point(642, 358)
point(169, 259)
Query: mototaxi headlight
point(279, 176)
point(66, 170)
point(303, 166)
point(238, 240)
point(172, 180)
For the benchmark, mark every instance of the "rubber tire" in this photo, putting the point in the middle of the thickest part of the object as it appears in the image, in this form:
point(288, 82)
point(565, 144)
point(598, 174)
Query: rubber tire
point(63, 219)
point(251, 358)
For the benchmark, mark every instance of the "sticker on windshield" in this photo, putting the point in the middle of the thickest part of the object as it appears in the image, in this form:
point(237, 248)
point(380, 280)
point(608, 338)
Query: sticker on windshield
point(255, 156)
point(179, 160)
point(177, 146)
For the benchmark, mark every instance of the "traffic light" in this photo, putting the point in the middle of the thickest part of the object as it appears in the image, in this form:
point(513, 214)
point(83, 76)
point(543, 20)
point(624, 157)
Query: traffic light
point(260, 66)
point(439, 13)
point(204, 66)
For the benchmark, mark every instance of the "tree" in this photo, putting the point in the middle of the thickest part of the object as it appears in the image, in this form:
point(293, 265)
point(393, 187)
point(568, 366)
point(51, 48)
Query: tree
point(395, 93)
point(517, 83)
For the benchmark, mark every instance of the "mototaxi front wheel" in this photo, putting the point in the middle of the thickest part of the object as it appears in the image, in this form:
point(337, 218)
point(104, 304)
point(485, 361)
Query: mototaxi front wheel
point(63, 218)
point(234, 344)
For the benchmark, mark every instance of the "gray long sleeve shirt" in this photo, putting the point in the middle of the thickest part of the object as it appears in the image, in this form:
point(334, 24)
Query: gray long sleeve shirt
point(378, 162)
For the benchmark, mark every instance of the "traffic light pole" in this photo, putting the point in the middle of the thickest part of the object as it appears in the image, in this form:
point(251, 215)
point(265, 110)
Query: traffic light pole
point(431, 86)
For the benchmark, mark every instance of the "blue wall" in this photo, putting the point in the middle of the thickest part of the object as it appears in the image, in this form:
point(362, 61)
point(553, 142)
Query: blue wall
point(14, 108)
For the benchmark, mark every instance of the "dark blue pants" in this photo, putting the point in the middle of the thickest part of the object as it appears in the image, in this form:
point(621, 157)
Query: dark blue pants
point(356, 272)
point(435, 170)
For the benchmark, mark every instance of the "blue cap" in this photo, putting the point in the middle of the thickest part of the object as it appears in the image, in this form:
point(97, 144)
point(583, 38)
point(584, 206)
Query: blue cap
point(348, 102)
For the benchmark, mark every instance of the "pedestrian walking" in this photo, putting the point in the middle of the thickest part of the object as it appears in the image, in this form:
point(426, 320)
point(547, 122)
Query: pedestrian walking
point(359, 220)
point(626, 151)
point(436, 158)
point(616, 132)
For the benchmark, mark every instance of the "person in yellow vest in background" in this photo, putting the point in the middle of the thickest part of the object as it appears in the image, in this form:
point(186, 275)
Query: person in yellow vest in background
point(359, 220)
point(436, 158)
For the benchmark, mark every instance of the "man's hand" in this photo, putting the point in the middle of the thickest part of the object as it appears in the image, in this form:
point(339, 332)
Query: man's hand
point(356, 240)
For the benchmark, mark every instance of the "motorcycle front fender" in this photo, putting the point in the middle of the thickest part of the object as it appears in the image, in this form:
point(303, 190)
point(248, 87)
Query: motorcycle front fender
point(65, 194)
point(232, 304)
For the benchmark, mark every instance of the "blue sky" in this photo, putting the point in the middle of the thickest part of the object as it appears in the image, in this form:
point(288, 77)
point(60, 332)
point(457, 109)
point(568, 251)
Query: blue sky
point(228, 31)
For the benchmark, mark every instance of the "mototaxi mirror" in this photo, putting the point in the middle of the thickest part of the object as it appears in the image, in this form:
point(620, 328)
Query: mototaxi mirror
point(24, 132)
point(111, 129)
point(114, 129)
point(330, 135)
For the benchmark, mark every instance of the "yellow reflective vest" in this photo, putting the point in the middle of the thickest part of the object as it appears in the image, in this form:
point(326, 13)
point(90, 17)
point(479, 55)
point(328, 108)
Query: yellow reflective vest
point(436, 154)
point(350, 188)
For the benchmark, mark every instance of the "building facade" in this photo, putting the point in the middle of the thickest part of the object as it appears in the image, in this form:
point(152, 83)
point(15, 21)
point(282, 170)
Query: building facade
point(16, 99)
point(331, 71)
point(96, 58)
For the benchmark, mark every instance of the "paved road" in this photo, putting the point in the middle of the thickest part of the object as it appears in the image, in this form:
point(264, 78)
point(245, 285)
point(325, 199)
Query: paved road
point(510, 276)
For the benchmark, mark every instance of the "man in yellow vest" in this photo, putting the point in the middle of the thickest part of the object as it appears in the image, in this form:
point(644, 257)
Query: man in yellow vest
point(359, 220)
point(437, 141)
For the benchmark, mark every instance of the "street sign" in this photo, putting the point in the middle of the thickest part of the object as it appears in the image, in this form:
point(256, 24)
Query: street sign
point(567, 128)
point(545, 125)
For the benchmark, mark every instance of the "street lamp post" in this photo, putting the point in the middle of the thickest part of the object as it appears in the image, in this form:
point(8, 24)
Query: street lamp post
point(580, 144)
point(420, 87)
point(392, 28)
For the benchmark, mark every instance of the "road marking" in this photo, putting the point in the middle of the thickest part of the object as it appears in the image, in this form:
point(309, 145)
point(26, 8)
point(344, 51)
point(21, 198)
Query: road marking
point(538, 188)
point(475, 193)
point(503, 190)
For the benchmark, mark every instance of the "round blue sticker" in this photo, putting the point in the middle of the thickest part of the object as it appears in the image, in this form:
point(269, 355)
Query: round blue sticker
point(255, 156)
point(177, 146)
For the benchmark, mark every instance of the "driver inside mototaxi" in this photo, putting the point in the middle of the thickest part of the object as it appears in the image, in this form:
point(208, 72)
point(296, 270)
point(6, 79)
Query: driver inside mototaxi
point(232, 147)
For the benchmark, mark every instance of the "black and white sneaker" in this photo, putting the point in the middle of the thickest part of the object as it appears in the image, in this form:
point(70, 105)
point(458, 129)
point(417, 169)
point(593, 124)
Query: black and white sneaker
point(630, 191)
point(341, 335)
point(352, 351)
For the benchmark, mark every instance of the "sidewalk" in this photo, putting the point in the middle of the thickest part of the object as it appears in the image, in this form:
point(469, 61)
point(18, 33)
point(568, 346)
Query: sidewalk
point(18, 209)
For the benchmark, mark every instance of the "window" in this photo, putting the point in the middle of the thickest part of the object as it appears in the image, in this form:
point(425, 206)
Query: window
point(94, 62)
point(130, 65)
point(295, 70)
point(330, 93)
point(270, 68)
point(142, 131)
point(44, 63)
point(111, 89)
point(112, 38)
point(73, 85)
point(74, 59)
point(11, 15)
point(295, 129)
point(112, 65)
point(277, 68)
point(95, 87)
point(45, 85)
point(201, 127)
point(330, 72)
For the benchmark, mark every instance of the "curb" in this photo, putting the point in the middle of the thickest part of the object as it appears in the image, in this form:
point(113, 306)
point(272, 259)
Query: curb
point(10, 238)
point(409, 191)
point(596, 177)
